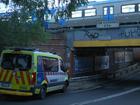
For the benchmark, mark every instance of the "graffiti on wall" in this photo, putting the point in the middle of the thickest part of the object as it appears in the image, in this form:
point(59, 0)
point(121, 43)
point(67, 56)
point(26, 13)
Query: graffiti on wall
point(130, 33)
point(109, 34)
point(92, 35)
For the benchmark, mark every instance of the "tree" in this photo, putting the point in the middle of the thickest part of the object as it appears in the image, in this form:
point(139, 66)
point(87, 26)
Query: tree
point(18, 34)
point(41, 7)
point(26, 23)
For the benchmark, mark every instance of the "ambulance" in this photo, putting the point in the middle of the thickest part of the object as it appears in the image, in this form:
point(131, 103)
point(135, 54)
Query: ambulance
point(28, 72)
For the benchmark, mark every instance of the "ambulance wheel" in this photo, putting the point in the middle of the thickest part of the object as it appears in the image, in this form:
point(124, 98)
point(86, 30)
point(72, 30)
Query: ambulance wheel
point(66, 84)
point(42, 93)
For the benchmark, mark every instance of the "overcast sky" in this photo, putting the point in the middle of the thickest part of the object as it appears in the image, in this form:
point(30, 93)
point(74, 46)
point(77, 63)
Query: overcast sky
point(2, 8)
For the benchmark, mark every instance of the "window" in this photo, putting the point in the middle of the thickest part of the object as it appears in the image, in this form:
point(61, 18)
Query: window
point(128, 8)
point(16, 61)
point(138, 7)
point(47, 64)
point(90, 12)
point(76, 14)
point(63, 66)
point(109, 10)
point(105, 11)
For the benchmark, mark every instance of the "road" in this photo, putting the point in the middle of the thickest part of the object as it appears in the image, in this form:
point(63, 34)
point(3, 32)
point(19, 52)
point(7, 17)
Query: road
point(115, 93)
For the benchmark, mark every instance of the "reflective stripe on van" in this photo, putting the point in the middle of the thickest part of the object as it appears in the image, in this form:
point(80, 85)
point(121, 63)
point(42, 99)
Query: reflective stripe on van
point(21, 77)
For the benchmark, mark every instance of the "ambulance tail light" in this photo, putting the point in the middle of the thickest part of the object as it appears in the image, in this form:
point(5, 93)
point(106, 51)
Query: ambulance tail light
point(33, 78)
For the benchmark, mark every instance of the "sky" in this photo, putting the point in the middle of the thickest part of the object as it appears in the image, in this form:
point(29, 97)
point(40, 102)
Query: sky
point(97, 0)
point(4, 8)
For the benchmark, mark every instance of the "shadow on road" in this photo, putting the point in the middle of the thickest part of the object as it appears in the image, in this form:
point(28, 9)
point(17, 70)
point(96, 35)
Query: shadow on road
point(21, 99)
point(122, 84)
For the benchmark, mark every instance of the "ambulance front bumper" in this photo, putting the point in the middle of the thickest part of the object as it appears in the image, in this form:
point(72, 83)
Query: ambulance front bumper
point(18, 93)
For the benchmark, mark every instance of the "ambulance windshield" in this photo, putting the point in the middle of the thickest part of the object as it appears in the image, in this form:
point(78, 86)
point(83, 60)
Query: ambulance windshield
point(16, 61)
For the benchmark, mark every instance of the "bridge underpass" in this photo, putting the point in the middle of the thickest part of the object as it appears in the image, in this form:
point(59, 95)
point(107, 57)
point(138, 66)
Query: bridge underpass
point(110, 62)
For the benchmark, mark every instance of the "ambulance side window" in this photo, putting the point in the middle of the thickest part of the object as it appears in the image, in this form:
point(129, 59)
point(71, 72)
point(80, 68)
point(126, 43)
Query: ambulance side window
point(52, 65)
point(47, 64)
point(62, 65)
point(40, 64)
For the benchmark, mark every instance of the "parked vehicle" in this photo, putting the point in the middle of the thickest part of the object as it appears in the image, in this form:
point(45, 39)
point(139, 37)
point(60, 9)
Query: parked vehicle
point(27, 72)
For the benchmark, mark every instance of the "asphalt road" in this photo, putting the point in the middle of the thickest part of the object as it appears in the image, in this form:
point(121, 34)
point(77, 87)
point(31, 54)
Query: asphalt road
point(115, 93)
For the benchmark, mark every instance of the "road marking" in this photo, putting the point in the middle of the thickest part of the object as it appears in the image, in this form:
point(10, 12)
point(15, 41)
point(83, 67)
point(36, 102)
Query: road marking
point(107, 97)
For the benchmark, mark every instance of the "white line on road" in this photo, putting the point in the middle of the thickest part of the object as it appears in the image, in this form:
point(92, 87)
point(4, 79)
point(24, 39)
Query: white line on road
point(107, 97)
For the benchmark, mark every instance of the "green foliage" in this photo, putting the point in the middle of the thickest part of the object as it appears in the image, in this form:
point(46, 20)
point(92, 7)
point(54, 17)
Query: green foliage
point(19, 31)
point(40, 6)
point(73, 4)
point(19, 34)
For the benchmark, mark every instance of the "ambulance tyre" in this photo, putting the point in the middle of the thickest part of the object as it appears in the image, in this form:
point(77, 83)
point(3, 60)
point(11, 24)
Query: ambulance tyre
point(42, 93)
point(7, 96)
point(66, 84)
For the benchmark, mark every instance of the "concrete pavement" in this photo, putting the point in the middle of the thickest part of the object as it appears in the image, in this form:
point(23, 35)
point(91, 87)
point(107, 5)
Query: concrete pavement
point(86, 82)
point(96, 81)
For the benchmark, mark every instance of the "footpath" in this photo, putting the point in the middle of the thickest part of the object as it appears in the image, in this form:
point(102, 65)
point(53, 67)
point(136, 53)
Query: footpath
point(95, 81)
point(85, 82)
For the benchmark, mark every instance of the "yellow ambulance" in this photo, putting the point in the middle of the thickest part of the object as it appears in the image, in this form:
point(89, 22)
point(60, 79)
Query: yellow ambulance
point(27, 72)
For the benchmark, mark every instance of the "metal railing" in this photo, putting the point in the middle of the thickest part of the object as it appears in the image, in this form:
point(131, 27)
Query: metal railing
point(125, 72)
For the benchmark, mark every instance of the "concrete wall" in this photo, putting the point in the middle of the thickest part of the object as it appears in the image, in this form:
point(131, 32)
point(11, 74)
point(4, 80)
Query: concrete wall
point(56, 44)
point(98, 55)
point(137, 54)
point(129, 32)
